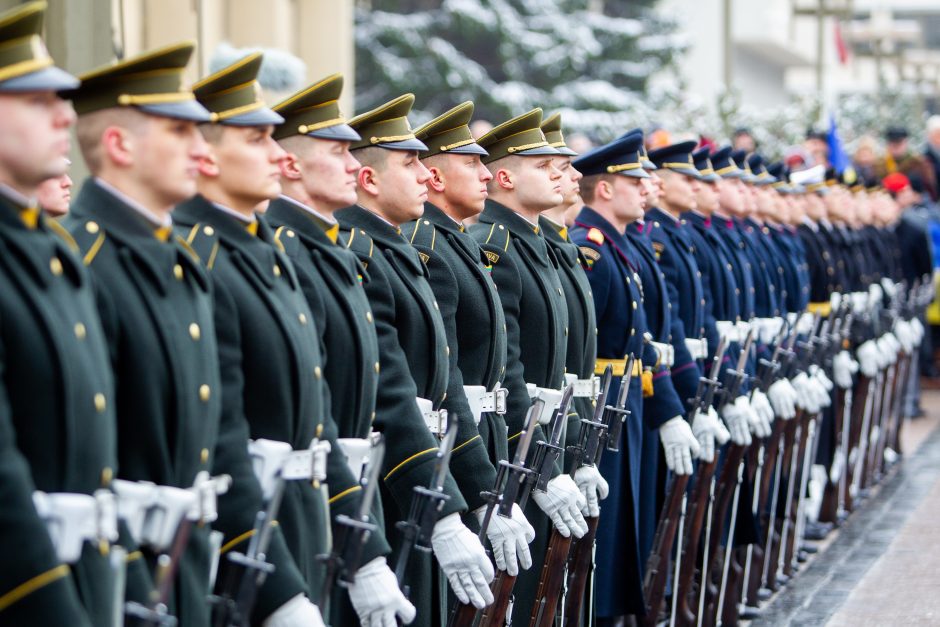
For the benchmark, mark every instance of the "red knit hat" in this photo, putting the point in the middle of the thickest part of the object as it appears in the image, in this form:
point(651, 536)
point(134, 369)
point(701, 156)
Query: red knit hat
point(895, 182)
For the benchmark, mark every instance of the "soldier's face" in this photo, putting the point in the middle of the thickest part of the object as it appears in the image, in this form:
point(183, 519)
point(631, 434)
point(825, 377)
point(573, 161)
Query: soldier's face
point(729, 196)
point(55, 194)
point(166, 155)
point(654, 189)
point(464, 179)
point(537, 183)
point(248, 161)
point(815, 206)
point(34, 138)
point(706, 200)
point(570, 177)
point(401, 186)
point(329, 172)
point(679, 191)
point(632, 196)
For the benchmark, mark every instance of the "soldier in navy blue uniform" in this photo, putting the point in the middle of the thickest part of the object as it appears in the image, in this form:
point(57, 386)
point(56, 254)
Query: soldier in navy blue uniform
point(614, 192)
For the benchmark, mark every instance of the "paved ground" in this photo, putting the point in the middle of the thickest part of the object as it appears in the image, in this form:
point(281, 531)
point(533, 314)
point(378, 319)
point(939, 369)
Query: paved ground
point(881, 567)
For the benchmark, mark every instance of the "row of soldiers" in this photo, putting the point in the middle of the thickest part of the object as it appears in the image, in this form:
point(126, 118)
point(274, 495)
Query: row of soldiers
point(266, 371)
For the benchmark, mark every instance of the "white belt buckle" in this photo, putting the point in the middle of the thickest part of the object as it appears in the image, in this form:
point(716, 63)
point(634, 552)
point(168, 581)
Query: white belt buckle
point(667, 355)
point(163, 519)
point(298, 465)
point(728, 330)
point(743, 328)
point(135, 498)
point(207, 490)
point(106, 515)
point(552, 399)
point(434, 419)
point(70, 519)
point(697, 347)
point(357, 452)
point(586, 388)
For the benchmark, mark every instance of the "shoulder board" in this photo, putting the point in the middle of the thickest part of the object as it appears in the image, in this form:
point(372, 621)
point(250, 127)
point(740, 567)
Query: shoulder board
point(89, 237)
point(491, 256)
point(589, 253)
point(59, 231)
point(659, 247)
point(204, 242)
point(360, 243)
point(288, 240)
point(498, 236)
point(596, 236)
point(422, 233)
point(424, 257)
point(186, 247)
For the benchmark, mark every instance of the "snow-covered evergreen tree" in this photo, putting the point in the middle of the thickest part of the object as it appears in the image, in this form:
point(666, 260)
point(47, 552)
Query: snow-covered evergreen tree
point(590, 59)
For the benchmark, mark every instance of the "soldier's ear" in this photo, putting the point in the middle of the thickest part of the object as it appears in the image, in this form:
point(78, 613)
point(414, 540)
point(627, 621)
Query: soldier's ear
point(436, 182)
point(290, 167)
point(504, 179)
point(368, 181)
point(208, 166)
point(604, 190)
point(117, 144)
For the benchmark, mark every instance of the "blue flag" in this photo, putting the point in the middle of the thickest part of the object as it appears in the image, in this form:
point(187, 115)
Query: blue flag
point(837, 157)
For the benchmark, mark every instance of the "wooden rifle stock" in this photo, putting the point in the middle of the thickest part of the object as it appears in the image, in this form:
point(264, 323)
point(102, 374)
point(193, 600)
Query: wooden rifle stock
point(580, 558)
point(494, 614)
point(764, 483)
point(799, 450)
point(657, 566)
point(698, 509)
point(550, 581)
point(777, 518)
point(829, 509)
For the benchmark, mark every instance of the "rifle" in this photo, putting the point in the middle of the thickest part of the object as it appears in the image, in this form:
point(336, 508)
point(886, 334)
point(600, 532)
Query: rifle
point(546, 453)
point(499, 500)
point(832, 508)
point(581, 556)
point(426, 504)
point(727, 488)
point(353, 531)
point(553, 576)
point(671, 522)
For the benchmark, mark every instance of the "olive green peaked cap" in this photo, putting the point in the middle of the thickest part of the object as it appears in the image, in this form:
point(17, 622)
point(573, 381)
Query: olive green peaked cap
point(387, 126)
point(151, 82)
point(551, 127)
point(449, 133)
point(314, 111)
point(233, 94)
point(519, 136)
point(25, 64)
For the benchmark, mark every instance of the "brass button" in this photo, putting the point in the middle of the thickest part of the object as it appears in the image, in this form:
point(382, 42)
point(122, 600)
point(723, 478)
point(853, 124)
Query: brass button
point(634, 304)
point(208, 230)
point(447, 350)
point(559, 291)
point(55, 266)
point(80, 330)
point(501, 227)
point(204, 393)
point(436, 307)
point(91, 227)
point(100, 403)
point(302, 318)
point(372, 417)
point(318, 372)
point(106, 475)
point(319, 430)
point(376, 367)
point(368, 316)
point(204, 455)
point(566, 331)
point(194, 332)
point(277, 270)
point(290, 233)
point(178, 272)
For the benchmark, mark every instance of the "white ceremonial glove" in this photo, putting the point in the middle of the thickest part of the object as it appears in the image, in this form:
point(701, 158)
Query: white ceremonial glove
point(679, 445)
point(593, 487)
point(859, 302)
point(904, 335)
point(737, 416)
point(806, 394)
point(463, 560)
point(298, 612)
point(705, 428)
point(917, 327)
point(721, 433)
point(843, 367)
point(761, 404)
point(875, 293)
point(890, 287)
point(756, 420)
point(868, 360)
point(376, 597)
point(782, 398)
point(769, 329)
point(510, 538)
point(562, 502)
point(823, 386)
point(888, 349)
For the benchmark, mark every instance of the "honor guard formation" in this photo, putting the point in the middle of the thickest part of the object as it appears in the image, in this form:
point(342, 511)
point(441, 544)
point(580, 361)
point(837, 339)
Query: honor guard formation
point(278, 367)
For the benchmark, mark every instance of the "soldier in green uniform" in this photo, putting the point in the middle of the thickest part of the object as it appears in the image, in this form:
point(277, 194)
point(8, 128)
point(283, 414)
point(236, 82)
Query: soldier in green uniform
point(391, 191)
point(525, 183)
point(581, 332)
point(473, 319)
point(137, 132)
point(318, 177)
point(57, 425)
point(262, 317)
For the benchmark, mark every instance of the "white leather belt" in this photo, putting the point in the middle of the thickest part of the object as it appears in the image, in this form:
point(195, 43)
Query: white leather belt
point(273, 461)
point(733, 331)
point(768, 328)
point(549, 396)
point(358, 452)
point(698, 348)
point(583, 388)
point(73, 518)
point(435, 419)
point(482, 400)
point(153, 512)
point(667, 354)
